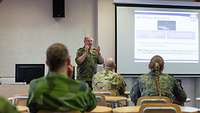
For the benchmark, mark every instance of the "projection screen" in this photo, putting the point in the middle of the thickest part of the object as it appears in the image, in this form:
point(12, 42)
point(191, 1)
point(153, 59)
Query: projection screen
point(142, 32)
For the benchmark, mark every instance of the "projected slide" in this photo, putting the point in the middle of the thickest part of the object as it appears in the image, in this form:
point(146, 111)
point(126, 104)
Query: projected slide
point(173, 35)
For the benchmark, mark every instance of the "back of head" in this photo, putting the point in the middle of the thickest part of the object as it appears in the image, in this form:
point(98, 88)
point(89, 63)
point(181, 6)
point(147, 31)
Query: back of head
point(109, 64)
point(56, 56)
point(156, 63)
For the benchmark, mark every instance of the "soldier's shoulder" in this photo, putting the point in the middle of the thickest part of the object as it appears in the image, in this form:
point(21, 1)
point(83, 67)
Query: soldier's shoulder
point(37, 81)
point(94, 49)
point(83, 86)
point(80, 49)
point(99, 74)
point(111, 74)
point(168, 76)
point(118, 75)
point(143, 76)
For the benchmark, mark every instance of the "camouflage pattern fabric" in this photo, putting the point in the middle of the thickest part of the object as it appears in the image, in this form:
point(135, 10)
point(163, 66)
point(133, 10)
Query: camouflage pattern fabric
point(6, 107)
point(56, 92)
point(88, 68)
point(145, 86)
point(107, 80)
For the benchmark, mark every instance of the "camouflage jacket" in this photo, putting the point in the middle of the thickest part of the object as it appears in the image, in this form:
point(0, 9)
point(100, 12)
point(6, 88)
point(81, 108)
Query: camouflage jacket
point(107, 80)
point(6, 107)
point(88, 67)
point(56, 92)
point(169, 87)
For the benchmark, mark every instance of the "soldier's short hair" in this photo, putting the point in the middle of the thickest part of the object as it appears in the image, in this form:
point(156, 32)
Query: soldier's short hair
point(109, 64)
point(56, 55)
point(156, 59)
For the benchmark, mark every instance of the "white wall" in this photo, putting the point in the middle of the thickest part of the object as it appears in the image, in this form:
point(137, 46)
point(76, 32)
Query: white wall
point(106, 27)
point(27, 28)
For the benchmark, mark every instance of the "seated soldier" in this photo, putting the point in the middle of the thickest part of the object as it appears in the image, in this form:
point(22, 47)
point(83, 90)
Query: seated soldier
point(108, 80)
point(6, 107)
point(56, 92)
point(156, 83)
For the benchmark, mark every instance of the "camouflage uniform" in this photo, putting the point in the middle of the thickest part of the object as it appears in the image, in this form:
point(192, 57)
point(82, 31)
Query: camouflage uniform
point(107, 80)
point(145, 86)
point(6, 107)
point(56, 92)
point(88, 68)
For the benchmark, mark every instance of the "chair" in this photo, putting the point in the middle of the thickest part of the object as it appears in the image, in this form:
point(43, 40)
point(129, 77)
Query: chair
point(197, 101)
point(153, 99)
point(116, 101)
point(110, 101)
point(102, 93)
point(100, 97)
point(101, 101)
point(18, 100)
point(160, 108)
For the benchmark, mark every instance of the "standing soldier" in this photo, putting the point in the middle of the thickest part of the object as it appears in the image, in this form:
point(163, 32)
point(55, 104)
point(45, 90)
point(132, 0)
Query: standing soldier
point(87, 59)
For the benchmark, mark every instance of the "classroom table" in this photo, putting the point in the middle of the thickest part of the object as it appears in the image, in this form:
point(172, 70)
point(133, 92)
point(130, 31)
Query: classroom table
point(135, 109)
point(101, 109)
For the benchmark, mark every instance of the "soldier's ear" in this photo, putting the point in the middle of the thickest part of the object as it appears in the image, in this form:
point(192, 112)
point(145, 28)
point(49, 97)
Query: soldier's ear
point(68, 61)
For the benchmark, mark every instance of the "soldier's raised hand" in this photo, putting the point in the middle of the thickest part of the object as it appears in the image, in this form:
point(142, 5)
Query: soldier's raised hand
point(98, 51)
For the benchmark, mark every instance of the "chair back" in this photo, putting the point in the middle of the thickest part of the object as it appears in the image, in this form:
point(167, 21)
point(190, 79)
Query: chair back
point(103, 93)
point(18, 100)
point(101, 101)
point(153, 99)
point(160, 108)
